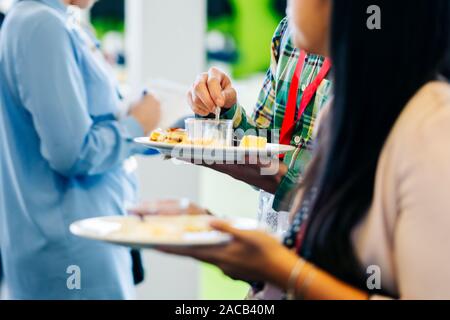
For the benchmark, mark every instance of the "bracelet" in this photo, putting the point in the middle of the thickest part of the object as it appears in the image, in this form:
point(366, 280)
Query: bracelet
point(306, 284)
point(292, 283)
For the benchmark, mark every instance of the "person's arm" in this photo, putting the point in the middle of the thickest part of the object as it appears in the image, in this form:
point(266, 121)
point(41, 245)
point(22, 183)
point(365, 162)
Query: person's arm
point(52, 90)
point(256, 256)
point(216, 85)
point(422, 238)
point(312, 283)
point(263, 114)
point(262, 117)
point(266, 176)
point(215, 88)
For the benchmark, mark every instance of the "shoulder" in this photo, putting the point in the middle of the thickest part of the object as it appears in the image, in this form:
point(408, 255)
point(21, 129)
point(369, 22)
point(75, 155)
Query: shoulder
point(282, 39)
point(422, 132)
point(282, 29)
point(30, 20)
point(426, 115)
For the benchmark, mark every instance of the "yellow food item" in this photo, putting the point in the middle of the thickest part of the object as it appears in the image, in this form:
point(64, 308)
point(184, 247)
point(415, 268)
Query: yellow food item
point(172, 136)
point(158, 136)
point(199, 142)
point(176, 136)
point(253, 142)
point(163, 228)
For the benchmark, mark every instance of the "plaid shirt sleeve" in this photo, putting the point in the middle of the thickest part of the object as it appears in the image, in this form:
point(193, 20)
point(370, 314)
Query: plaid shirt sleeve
point(263, 115)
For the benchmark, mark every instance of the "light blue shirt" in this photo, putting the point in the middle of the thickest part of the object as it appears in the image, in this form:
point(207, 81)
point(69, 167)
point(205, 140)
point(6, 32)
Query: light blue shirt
point(62, 154)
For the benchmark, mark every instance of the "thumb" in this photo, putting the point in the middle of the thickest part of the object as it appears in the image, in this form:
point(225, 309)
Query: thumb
point(225, 227)
point(229, 96)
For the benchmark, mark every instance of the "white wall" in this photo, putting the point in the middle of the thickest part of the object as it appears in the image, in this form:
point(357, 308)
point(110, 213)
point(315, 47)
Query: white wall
point(172, 44)
point(168, 277)
point(165, 41)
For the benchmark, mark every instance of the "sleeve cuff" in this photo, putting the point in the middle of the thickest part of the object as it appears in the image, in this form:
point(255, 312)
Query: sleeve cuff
point(236, 114)
point(289, 182)
point(229, 114)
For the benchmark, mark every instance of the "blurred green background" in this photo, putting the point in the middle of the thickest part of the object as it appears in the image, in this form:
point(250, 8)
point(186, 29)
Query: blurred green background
point(246, 26)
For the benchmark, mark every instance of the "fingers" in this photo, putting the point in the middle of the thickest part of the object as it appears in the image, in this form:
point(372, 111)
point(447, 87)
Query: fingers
point(206, 254)
point(197, 106)
point(216, 78)
point(201, 93)
point(230, 97)
point(151, 99)
point(211, 90)
point(225, 227)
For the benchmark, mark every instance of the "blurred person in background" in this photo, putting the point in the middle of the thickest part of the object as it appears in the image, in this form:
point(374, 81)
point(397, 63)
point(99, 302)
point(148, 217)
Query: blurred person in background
point(372, 214)
point(296, 88)
point(2, 17)
point(65, 156)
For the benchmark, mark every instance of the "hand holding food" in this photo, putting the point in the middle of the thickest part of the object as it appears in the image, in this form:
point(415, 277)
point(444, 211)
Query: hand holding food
point(257, 174)
point(147, 112)
point(251, 256)
point(211, 90)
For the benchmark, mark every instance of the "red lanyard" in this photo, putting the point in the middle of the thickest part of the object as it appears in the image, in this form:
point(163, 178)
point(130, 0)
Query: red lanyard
point(301, 236)
point(289, 121)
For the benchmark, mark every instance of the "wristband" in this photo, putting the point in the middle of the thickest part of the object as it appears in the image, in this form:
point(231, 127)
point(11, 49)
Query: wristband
point(292, 283)
point(306, 284)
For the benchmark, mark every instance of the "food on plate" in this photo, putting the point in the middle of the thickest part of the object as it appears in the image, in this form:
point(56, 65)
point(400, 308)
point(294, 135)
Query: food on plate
point(172, 136)
point(180, 136)
point(210, 133)
point(158, 136)
point(167, 207)
point(206, 142)
point(251, 142)
point(169, 228)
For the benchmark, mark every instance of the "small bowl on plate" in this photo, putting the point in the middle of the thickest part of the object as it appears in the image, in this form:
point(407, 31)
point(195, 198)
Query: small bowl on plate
point(210, 132)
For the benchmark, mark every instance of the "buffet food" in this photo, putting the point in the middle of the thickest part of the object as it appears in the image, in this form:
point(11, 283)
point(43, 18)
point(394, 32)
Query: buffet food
point(209, 132)
point(171, 136)
point(206, 133)
point(169, 228)
point(253, 142)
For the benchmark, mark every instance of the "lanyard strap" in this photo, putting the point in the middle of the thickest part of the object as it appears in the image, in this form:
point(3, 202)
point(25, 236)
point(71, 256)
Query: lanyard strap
point(301, 236)
point(289, 121)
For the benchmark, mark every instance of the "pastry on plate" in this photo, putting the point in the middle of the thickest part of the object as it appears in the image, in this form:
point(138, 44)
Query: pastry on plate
point(172, 136)
point(253, 142)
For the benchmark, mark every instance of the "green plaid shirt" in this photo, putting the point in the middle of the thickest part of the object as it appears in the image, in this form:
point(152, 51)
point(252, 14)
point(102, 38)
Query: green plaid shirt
point(272, 101)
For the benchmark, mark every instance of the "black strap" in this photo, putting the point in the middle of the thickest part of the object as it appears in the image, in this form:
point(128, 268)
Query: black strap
point(137, 266)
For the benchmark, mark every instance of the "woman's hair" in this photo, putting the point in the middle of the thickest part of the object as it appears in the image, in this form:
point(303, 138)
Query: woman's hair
point(376, 73)
point(446, 65)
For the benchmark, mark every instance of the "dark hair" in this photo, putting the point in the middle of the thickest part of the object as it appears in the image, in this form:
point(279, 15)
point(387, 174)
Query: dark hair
point(446, 66)
point(376, 72)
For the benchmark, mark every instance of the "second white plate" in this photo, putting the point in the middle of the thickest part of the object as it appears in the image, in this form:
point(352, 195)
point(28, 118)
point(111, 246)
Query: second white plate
point(157, 231)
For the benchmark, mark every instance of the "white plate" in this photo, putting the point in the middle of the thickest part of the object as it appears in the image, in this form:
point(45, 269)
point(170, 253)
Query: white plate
point(215, 153)
point(156, 231)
